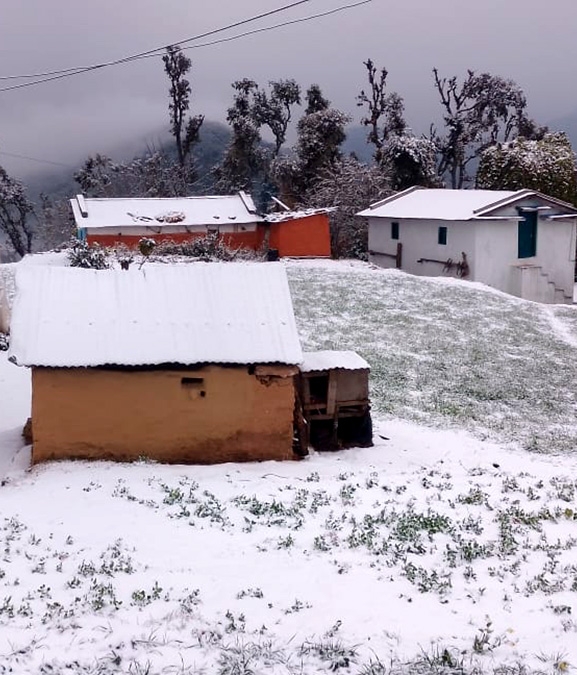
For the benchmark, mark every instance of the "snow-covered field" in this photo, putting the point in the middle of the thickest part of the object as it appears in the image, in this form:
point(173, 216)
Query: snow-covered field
point(449, 547)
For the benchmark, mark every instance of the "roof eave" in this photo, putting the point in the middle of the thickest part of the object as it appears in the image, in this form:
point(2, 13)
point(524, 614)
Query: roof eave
point(522, 194)
point(392, 198)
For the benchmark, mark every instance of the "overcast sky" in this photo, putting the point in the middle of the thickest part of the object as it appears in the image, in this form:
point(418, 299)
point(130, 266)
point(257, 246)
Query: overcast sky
point(530, 41)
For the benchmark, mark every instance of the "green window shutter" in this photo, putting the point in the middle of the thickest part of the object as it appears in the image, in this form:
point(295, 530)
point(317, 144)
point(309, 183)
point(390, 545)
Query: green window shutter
point(394, 230)
point(442, 236)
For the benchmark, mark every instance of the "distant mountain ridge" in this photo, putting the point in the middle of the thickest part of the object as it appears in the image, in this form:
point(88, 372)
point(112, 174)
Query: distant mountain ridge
point(59, 183)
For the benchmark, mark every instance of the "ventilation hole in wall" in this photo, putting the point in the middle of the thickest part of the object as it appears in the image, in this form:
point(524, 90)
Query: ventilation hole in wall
point(192, 382)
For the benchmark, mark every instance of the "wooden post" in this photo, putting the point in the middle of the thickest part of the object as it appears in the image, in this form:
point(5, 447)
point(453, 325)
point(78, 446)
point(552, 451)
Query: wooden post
point(399, 258)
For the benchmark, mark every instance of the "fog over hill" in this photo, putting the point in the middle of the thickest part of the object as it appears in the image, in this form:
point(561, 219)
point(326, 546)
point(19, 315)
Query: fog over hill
point(59, 182)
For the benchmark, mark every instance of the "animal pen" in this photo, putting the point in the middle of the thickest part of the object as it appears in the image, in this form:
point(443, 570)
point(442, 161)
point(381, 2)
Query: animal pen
point(332, 390)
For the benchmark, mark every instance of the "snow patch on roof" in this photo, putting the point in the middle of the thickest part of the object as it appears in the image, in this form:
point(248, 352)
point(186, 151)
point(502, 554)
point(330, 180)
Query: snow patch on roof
point(238, 313)
point(328, 360)
point(283, 216)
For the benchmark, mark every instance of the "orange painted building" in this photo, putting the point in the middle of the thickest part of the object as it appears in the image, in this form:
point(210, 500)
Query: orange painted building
point(119, 221)
point(300, 234)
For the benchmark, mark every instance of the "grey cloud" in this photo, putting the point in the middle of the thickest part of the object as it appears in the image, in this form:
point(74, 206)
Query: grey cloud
point(525, 40)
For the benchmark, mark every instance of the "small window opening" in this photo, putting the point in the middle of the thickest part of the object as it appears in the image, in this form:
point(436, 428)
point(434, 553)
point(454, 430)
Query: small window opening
point(193, 385)
point(442, 237)
point(192, 381)
point(394, 230)
point(319, 388)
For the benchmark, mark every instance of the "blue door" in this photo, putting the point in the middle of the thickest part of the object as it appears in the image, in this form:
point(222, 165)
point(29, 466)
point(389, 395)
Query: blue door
point(527, 241)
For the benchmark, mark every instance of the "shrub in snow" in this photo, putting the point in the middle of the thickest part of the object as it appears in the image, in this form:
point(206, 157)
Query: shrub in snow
point(209, 248)
point(547, 165)
point(3, 342)
point(88, 256)
point(146, 245)
point(124, 256)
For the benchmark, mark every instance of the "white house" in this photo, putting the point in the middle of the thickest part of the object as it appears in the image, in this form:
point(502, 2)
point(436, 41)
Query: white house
point(521, 242)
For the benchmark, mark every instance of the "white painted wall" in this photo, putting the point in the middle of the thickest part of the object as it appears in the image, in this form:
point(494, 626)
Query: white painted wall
point(420, 240)
point(497, 250)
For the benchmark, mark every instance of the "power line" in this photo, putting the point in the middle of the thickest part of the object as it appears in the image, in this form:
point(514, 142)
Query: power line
point(34, 159)
point(72, 71)
point(267, 28)
point(69, 72)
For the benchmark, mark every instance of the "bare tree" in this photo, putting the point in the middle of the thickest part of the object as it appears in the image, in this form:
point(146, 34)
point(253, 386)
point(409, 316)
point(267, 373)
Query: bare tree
point(154, 175)
point(483, 110)
point(15, 212)
point(186, 132)
point(348, 185)
point(56, 224)
point(385, 111)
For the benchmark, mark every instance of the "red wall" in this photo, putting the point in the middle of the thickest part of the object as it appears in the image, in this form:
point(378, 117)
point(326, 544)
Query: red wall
point(308, 236)
point(301, 237)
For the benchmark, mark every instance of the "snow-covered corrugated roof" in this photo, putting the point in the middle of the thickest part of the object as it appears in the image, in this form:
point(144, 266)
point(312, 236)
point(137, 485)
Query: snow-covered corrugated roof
point(434, 204)
point(327, 360)
point(168, 212)
point(283, 216)
point(196, 313)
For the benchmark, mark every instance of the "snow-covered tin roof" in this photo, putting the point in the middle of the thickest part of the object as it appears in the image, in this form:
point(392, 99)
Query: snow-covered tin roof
point(328, 360)
point(441, 204)
point(169, 212)
point(238, 313)
point(283, 216)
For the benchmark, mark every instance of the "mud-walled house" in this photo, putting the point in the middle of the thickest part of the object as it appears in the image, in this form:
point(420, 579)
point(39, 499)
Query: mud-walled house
point(178, 363)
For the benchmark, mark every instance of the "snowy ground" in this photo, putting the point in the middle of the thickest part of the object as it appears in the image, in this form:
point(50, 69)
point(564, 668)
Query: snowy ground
point(449, 547)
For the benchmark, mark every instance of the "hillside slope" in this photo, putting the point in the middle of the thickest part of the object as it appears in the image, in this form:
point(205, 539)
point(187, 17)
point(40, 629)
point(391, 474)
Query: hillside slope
point(433, 552)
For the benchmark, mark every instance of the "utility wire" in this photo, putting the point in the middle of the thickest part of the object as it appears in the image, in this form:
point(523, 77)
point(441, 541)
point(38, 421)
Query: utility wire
point(72, 71)
point(34, 159)
point(69, 72)
point(267, 28)
point(150, 54)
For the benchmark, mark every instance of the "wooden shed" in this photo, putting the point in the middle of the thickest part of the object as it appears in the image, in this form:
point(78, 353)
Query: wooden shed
point(333, 394)
point(178, 363)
